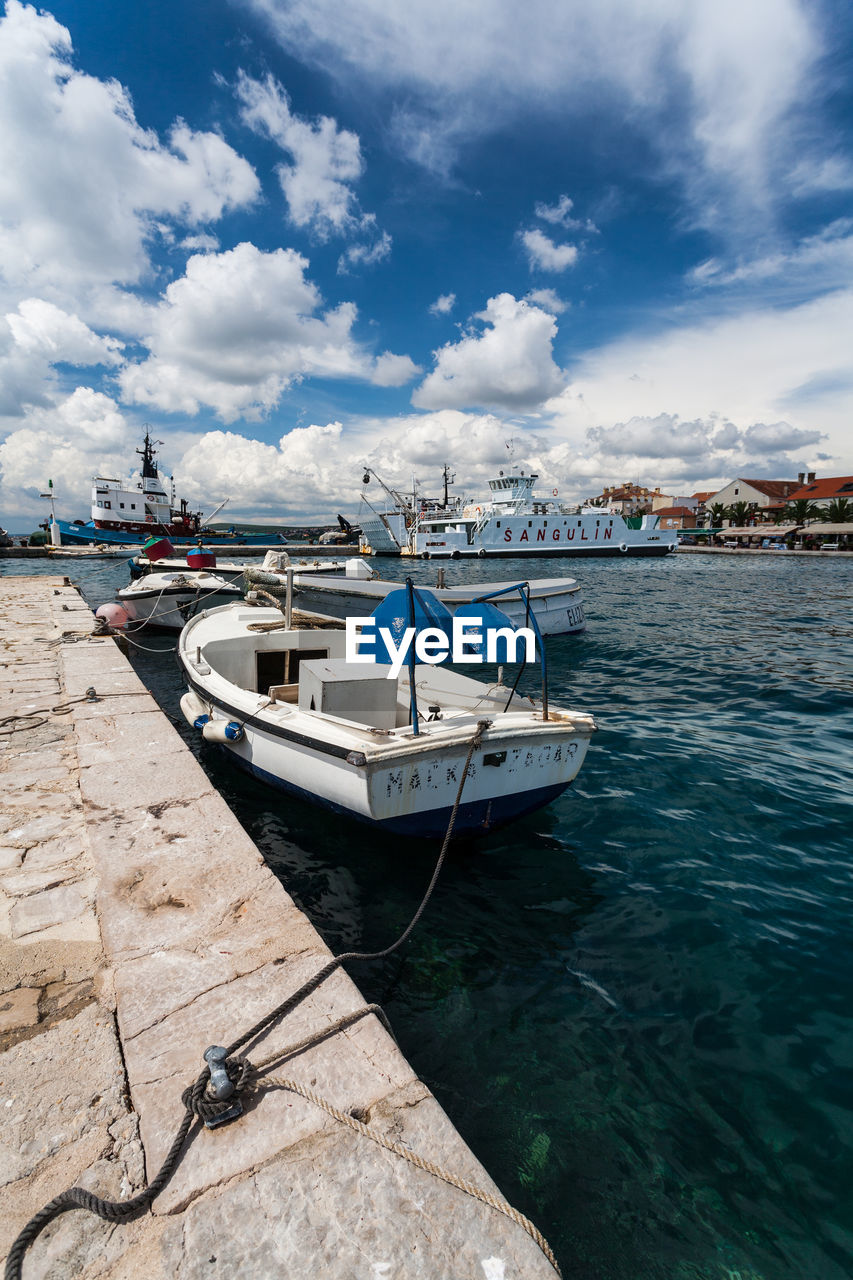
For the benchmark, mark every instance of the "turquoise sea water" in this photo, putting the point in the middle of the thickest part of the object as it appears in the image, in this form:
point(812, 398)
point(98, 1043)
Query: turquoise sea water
point(637, 1004)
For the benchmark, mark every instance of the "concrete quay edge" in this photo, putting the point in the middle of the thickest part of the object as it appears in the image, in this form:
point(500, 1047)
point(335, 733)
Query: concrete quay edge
point(139, 924)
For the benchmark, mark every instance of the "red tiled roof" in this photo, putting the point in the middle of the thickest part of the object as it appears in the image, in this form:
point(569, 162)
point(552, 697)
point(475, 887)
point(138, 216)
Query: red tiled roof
point(773, 488)
point(703, 497)
point(820, 490)
point(674, 511)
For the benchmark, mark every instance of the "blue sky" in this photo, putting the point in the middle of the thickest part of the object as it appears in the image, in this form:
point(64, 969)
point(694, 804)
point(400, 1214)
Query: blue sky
point(298, 237)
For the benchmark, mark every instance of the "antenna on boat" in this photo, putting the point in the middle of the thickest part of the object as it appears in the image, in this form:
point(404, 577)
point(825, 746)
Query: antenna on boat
point(413, 693)
point(448, 480)
point(146, 453)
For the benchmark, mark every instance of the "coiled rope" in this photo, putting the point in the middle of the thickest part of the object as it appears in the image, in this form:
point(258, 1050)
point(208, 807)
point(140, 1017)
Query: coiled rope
point(39, 717)
point(200, 1106)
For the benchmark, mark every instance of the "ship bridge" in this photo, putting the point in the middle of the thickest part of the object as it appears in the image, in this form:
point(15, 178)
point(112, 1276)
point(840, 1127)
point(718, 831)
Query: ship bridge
point(515, 488)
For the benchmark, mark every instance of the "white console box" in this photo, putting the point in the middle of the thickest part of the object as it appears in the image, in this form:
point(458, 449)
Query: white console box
point(351, 690)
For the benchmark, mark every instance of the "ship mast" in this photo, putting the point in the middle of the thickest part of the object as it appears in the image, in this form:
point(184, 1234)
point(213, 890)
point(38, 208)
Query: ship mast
point(146, 453)
point(448, 480)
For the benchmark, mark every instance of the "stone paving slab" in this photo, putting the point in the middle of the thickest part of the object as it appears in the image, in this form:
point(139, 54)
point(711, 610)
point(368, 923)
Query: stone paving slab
point(138, 925)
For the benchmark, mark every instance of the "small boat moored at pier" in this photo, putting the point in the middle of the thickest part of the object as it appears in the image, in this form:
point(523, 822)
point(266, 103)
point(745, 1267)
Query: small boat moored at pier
point(166, 600)
point(556, 602)
point(288, 707)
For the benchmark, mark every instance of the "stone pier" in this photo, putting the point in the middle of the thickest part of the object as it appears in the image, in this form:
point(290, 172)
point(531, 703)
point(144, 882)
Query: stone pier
point(138, 925)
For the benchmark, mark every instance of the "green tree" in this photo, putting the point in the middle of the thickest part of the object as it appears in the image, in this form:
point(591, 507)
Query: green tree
point(802, 510)
point(738, 512)
point(838, 511)
point(717, 512)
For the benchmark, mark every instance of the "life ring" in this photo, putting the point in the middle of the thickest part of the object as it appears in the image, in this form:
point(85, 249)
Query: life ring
point(149, 519)
point(623, 546)
point(479, 510)
point(455, 555)
point(554, 493)
point(481, 552)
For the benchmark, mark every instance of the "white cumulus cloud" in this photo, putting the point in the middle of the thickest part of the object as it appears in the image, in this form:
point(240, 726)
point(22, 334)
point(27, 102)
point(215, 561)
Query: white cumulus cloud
point(543, 253)
point(548, 300)
point(82, 184)
point(443, 304)
point(325, 160)
point(67, 441)
point(509, 365)
point(238, 329)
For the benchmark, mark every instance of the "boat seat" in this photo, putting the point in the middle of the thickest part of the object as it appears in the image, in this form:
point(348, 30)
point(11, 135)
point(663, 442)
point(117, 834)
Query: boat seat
point(284, 692)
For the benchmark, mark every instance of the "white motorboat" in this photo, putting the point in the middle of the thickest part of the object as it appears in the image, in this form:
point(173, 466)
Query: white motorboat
point(556, 602)
point(166, 600)
point(233, 570)
point(288, 707)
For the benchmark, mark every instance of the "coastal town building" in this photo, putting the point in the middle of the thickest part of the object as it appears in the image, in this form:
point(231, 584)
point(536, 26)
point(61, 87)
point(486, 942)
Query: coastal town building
point(676, 517)
point(825, 490)
point(633, 499)
point(702, 501)
point(765, 499)
point(627, 499)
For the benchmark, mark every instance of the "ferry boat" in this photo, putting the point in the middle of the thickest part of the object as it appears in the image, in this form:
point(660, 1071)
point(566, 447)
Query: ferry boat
point(127, 513)
point(513, 522)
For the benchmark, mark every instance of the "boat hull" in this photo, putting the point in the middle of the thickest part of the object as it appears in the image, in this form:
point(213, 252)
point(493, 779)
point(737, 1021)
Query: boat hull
point(558, 608)
point(515, 771)
point(527, 552)
point(170, 609)
point(473, 818)
point(89, 535)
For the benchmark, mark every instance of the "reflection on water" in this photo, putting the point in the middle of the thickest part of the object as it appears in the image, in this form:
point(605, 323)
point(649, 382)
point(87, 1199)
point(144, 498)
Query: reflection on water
point(637, 1004)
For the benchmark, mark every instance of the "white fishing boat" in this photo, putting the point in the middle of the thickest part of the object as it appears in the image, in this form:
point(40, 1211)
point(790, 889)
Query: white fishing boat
point(234, 570)
point(556, 602)
point(166, 600)
point(288, 707)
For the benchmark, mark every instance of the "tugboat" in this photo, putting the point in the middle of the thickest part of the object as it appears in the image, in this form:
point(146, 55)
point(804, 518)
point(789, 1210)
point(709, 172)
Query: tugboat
point(128, 513)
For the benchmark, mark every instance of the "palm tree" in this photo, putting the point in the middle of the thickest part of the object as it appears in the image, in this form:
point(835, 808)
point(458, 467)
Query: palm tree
point(717, 512)
point(839, 511)
point(738, 512)
point(802, 510)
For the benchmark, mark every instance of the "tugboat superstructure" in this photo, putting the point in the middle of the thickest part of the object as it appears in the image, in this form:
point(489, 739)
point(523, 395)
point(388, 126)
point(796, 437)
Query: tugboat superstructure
point(145, 508)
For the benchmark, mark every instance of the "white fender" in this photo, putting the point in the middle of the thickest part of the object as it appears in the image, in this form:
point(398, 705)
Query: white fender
point(192, 707)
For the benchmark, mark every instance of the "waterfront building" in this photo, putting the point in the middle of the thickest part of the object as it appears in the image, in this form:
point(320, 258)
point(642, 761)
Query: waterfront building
point(765, 499)
point(676, 517)
point(824, 490)
point(626, 499)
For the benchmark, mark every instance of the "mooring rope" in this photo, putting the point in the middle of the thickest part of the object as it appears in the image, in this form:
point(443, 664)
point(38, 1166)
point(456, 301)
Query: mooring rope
point(494, 1202)
point(199, 1105)
point(64, 708)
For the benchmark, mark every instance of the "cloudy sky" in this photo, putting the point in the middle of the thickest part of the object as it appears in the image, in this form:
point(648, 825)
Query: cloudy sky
point(297, 237)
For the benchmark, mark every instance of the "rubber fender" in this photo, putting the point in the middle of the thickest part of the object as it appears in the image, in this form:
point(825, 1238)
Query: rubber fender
point(192, 707)
point(222, 731)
